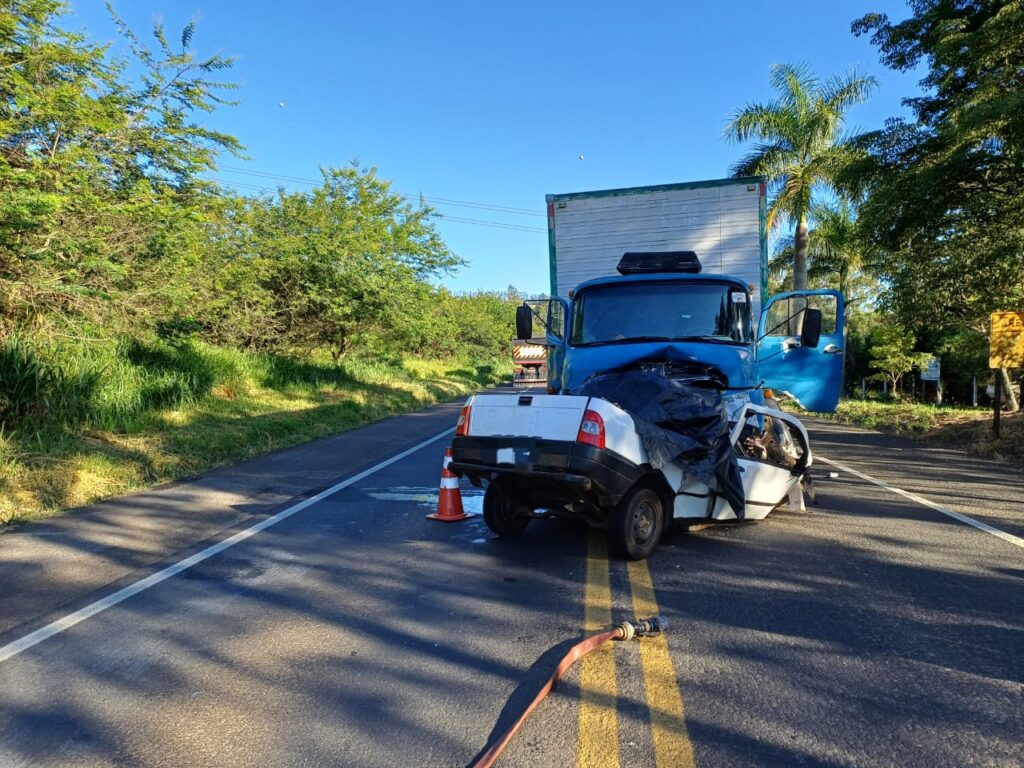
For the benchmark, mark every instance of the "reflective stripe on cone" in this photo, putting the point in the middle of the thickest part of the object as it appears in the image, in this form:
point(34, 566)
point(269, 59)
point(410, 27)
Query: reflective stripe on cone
point(449, 498)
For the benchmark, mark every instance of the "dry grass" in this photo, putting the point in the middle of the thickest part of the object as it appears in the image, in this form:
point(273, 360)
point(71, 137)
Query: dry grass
point(54, 467)
point(965, 429)
point(974, 436)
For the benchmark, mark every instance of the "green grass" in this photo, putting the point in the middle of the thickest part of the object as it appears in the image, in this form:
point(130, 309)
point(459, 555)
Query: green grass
point(965, 429)
point(901, 417)
point(106, 419)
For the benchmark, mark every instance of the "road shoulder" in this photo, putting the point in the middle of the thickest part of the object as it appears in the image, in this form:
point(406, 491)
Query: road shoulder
point(987, 490)
point(57, 565)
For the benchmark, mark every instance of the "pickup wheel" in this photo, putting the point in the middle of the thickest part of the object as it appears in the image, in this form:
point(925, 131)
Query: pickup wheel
point(636, 524)
point(503, 514)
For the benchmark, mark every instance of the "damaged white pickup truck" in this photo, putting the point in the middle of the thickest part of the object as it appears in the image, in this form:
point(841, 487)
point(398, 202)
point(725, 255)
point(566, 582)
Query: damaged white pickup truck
point(586, 457)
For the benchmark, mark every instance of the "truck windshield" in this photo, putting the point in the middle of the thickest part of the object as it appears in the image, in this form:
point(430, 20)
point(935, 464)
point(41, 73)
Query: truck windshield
point(661, 311)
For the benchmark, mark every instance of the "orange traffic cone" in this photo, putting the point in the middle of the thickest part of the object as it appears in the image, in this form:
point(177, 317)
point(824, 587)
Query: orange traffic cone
point(449, 499)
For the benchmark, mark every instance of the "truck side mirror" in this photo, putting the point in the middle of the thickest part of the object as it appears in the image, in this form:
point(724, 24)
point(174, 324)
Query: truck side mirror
point(524, 322)
point(810, 332)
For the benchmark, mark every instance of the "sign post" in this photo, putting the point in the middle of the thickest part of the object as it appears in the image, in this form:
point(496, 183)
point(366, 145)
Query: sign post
point(932, 371)
point(1006, 350)
point(997, 401)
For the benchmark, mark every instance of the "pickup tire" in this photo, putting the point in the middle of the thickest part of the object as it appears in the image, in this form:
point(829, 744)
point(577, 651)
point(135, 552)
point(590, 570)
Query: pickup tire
point(636, 524)
point(503, 514)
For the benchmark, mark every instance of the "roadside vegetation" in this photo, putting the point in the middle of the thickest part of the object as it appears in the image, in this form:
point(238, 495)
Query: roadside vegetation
point(917, 221)
point(154, 324)
point(963, 428)
point(178, 411)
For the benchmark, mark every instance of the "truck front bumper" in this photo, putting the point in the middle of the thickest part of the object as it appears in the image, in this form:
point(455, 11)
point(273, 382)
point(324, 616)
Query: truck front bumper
point(547, 473)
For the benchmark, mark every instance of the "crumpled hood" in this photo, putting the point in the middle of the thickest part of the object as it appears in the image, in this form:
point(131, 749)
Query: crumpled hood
point(734, 360)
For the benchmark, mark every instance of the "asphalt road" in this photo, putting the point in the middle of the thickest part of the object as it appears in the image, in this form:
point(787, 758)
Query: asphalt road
point(870, 631)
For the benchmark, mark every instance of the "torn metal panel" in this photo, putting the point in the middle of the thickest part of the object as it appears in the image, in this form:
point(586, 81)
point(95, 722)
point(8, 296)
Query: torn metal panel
point(720, 468)
point(774, 454)
point(678, 423)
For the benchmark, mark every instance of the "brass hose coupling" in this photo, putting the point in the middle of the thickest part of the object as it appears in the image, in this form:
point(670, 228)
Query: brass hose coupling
point(628, 630)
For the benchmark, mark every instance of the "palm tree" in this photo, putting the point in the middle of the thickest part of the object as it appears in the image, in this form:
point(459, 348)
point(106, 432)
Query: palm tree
point(799, 144)
point(835, 256)
point(835, 248)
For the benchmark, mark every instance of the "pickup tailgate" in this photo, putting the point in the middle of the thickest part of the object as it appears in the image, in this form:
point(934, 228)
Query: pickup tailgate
point(551, 417)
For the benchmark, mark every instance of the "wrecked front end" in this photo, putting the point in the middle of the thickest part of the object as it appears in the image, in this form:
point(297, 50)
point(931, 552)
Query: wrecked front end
point(723, 456)
point(632, 451)
point(773, 454)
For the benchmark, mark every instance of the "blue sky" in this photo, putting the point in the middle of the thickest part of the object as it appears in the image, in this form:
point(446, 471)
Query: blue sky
point(493, 104)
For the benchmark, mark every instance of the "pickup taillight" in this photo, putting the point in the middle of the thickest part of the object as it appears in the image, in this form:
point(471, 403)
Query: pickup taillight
point(591, 430)
point(462, 425)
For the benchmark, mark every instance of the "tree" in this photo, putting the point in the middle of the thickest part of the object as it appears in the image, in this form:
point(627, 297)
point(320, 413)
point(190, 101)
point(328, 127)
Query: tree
point(474, 326)
point(345, 262)
point(834, 249)
point(892, 354)
point(799, 145)
point(836, 255)
point(96, 168)
point(943, 194)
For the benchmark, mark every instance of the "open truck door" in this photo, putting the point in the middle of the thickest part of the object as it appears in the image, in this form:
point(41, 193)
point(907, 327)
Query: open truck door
point(550, 315)
point(801, 347)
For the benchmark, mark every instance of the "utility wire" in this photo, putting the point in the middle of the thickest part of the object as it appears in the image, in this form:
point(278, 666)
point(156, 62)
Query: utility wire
point(444, 200)
point(226, 183)
point(444, 217)
point(498, 224)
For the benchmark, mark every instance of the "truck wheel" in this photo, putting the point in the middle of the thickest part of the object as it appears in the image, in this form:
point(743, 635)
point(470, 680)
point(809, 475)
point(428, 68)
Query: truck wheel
point(636, 524)
point(503, 514)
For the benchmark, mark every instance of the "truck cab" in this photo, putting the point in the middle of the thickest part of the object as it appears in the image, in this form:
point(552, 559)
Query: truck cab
point(661, 310)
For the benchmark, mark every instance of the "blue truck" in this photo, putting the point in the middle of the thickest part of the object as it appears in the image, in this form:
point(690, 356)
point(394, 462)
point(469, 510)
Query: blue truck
point(664, 286)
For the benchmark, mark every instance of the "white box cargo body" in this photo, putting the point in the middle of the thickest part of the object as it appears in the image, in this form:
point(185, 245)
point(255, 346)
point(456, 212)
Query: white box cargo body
point(722, 220)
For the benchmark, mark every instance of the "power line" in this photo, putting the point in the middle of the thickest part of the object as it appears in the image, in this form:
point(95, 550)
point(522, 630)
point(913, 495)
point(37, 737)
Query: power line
point(266, 175)
point(441, 200)
point(444, 217)
point(226, 183)
point(498, 224)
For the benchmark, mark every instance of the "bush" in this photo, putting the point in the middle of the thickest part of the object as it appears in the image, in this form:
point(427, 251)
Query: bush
point(23, 382)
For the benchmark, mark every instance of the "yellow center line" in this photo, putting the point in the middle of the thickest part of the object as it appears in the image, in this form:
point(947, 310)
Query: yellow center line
point(599, 728)
point(672, 748)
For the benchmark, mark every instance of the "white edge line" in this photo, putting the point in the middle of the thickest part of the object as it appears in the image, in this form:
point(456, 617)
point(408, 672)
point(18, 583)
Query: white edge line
point(1009, 537)
point(22, 644)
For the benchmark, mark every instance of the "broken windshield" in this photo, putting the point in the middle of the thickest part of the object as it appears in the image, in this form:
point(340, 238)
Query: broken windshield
point(661, 311)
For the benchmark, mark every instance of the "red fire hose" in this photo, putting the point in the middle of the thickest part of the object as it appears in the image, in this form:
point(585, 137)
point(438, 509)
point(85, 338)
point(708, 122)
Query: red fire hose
point(627, 630)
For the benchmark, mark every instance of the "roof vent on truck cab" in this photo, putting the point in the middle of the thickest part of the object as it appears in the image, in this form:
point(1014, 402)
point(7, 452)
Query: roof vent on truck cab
point(639, 263)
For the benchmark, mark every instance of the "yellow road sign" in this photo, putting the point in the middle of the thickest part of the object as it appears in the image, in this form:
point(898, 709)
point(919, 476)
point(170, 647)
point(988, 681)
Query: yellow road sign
point(1006, 340)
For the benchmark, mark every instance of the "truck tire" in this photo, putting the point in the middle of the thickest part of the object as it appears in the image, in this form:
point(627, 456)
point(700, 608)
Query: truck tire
point(504, 515)
point(636, 524)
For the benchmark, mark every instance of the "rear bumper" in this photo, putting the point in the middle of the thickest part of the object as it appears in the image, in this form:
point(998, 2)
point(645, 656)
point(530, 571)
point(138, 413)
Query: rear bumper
point(547, 473)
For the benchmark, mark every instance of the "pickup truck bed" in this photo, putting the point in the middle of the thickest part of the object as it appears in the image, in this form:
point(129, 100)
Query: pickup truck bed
point(531, 442)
